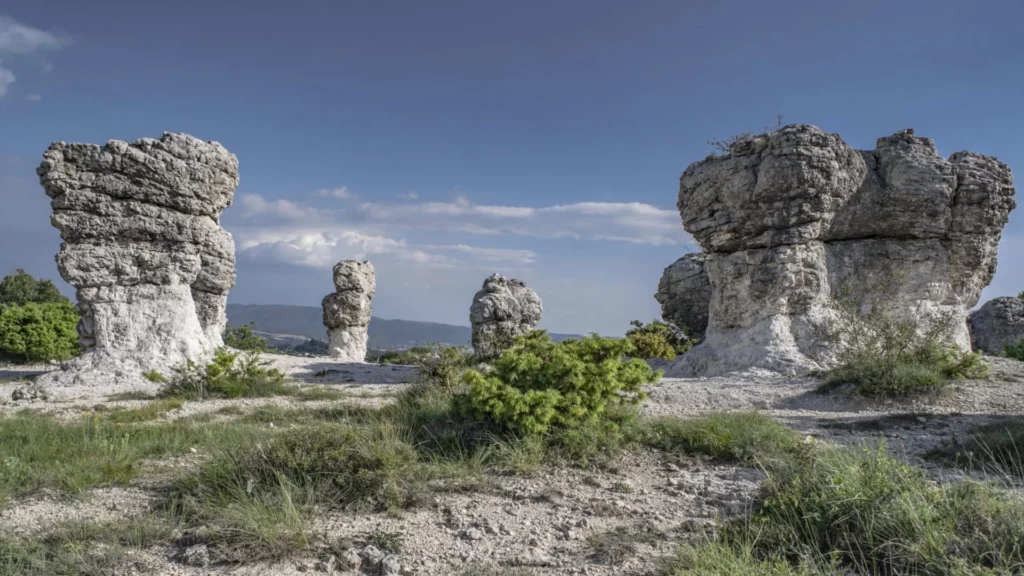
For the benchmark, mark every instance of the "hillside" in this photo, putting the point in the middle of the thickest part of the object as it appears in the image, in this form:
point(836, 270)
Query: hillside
point(307, 321)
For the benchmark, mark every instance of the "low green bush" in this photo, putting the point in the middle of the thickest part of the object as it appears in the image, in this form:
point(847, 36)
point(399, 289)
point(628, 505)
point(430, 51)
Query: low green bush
point(444, 365)
point(537, 384)
point(228, 375)
point(1015, 351)
point(245, 338)
point(35, 332)
point(657, 340)
point(889, 354)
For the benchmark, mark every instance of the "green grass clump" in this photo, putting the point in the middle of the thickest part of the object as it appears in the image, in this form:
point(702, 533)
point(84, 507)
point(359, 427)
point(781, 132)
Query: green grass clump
point(150, 411)
point(80, 548)
point(537, 384)
point(228, 375)
point(40, 452)
point(746, 437)
point(875, 515)
point(713, 558)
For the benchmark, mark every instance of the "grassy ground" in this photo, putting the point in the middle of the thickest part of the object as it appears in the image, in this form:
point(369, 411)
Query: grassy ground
point(256, 489)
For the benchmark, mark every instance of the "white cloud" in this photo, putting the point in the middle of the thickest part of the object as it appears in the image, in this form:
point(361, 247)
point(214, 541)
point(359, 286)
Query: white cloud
point(18, 39)
point(632, 222)
point(33, 97)
point(339, 192)
point(324, 248)
point(6, 79)
point(254, 204)
point(411, 195)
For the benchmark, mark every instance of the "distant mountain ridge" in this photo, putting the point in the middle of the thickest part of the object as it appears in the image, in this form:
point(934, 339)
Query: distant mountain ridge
point(307, 321)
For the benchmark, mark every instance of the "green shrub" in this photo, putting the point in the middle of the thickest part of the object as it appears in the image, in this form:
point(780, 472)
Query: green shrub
point(537, 384)
point(244, 338)
point(1015, 351)
point(155, 376)
point(877, 515)
point(657, 340)
point(444, 365)
point(21, 288)
point(228, 375)
point(883, 354)
point(39, 332)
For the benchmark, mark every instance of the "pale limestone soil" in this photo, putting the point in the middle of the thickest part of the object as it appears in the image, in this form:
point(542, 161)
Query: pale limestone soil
point(553, 511)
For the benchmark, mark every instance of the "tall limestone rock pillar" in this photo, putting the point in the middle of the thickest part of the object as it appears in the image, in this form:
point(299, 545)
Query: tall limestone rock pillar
point(144, 249)
point(789, 219)
point(347, 310)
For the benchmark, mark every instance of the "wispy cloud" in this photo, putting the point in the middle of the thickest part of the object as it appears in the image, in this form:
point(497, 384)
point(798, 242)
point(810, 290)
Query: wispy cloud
point(632, 222)
point(410, 195)
point(292, 232)
point(339, 192)
point(17, 39)
point(33, 97)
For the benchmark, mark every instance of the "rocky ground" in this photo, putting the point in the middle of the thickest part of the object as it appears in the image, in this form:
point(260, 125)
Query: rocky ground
point(614, 520)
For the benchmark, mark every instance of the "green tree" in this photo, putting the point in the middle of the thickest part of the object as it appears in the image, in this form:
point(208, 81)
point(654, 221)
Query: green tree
point(20, 288)
point(39, 332)
point(657, 340)
point(538, 384)
point(245, 338)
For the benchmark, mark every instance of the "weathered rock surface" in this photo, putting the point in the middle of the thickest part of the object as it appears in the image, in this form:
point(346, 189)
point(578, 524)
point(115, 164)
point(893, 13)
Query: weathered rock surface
point(347, 310)
point(684, 293)
point(997, 324)
point(503, 309)
point(789, 219)
point(145, 251)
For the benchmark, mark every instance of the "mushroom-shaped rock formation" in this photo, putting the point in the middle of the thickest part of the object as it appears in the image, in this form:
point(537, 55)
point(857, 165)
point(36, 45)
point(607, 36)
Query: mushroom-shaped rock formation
point(503, 309)
point(789, 219)
point(347, 310)
point(144, 249)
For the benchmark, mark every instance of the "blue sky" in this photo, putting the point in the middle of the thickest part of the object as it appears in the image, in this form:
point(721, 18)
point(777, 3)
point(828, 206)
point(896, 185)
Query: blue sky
point(446, 140)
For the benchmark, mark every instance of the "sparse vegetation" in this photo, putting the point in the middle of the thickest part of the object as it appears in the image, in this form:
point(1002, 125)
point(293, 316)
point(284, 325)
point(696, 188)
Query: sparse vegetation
point(657, 339)
point(244, 338)
point(883, 354)
point(538, 384)
point(750, 437)
point(444, 365)
point(720, 148)
point(228, 375)
point(40, 452)
point(995, 449)
point(1015, 351)
point(867, 512)
point(80, 548)
point(154, 376)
